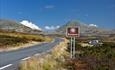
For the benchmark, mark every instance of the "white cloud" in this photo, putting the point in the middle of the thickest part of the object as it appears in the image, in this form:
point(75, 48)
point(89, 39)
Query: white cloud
point(94, 25)
point(49, 6)
point(57, 26)
point(51, 27)
point(30, 24)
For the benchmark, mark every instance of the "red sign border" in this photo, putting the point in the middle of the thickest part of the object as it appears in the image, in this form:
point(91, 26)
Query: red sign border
point(73, 35)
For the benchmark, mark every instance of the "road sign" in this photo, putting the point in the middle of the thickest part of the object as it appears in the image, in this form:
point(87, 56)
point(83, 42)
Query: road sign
point(72, 32)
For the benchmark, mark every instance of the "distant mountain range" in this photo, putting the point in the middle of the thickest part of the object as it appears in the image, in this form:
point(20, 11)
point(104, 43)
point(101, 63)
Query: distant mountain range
point(85, 29)
point(10, 25)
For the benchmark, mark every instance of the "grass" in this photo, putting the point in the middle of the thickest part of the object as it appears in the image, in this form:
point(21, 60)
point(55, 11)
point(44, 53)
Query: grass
point(53, 61)
point(6, 41)
point(91, 58)
point(15, 39)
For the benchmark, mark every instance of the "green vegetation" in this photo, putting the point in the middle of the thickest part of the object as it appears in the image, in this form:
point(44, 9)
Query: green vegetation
point(15, 39)
point(97, 57)
point(6, 41)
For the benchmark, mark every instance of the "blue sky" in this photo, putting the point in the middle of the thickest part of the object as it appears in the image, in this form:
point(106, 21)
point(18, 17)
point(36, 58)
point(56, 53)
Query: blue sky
point(58, 12)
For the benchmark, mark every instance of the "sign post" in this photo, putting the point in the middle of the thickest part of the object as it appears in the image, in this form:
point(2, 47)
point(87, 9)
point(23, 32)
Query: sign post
point(74, 47)
point(72, 32)
point(71, 50)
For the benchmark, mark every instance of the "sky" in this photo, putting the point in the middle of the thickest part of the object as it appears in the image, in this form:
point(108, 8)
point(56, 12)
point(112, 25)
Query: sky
point(55, 13)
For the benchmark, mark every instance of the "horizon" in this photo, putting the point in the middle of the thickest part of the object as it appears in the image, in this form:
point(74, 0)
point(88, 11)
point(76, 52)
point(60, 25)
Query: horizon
point(54, 13)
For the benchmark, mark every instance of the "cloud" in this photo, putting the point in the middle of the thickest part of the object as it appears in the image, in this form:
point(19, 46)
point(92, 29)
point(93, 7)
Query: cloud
point(30, 24)
point(49, 6)
point(51, 27)
point(94, 25)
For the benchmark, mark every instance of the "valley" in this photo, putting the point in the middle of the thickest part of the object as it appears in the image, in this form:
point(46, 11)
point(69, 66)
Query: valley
point(57, 34)
point(53, 48)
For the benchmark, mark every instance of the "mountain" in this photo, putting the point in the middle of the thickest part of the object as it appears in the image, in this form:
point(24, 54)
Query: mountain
point(30, 24)
point(85, 29)
point(10, 25)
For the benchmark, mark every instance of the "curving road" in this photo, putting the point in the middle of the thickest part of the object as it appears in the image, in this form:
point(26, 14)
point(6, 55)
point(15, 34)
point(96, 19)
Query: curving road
point(9, 58)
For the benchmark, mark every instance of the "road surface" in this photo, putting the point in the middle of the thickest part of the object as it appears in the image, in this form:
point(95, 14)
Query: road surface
point(8, 59)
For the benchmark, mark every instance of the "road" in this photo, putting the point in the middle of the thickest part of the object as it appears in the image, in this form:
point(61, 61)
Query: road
point(9, 58)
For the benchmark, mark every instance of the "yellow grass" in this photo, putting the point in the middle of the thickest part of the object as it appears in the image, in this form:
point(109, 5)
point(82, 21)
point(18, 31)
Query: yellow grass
point(53, 61)
point(17, 39)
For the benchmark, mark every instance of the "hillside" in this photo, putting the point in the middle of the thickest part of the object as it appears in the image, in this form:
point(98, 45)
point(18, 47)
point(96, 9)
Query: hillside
point(15, 39)
point(10, 25)
point(85, 29)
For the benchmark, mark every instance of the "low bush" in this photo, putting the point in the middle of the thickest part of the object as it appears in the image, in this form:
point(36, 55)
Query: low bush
point(99, 57)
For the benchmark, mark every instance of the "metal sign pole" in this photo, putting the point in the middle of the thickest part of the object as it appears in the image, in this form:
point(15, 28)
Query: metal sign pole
point(71, 52)
point(74, 47)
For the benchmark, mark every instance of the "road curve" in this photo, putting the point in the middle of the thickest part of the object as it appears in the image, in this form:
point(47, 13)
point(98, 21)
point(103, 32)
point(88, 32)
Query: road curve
point(10, 57)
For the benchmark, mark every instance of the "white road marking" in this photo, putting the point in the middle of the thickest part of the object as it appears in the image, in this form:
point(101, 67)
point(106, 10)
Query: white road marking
point(1, 68)
point(37, 54)
point(26, 58)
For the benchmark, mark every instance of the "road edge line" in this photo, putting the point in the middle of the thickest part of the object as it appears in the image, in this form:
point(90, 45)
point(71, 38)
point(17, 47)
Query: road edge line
point(26, 58)
point(1, 68)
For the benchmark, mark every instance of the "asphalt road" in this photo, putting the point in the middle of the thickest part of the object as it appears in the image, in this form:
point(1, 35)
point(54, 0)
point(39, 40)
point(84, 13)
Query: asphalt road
point(9, 58)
